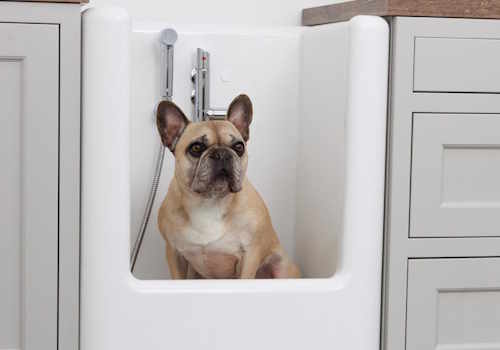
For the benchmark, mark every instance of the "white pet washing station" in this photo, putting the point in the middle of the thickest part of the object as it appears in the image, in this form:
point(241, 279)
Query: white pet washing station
point(317, 156)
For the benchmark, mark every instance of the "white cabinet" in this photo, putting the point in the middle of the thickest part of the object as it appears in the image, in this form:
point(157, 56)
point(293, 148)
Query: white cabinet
point(443, 191)
point(39, 177)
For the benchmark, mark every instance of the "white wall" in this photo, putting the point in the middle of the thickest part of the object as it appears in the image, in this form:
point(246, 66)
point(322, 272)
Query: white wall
point(241, 12)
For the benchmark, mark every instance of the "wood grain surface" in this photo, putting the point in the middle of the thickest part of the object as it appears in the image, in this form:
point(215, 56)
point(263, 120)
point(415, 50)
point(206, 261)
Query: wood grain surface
point(54, 1)
point(413, 8)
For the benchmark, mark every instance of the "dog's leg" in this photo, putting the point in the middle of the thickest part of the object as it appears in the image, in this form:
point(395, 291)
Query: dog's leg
point(250, 264)
point(192, 274)
point(277, 265)
point(177, 265)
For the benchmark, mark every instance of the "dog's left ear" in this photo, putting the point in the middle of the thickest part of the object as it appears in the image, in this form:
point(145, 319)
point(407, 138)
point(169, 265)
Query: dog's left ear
point(240, 114)
point(171, 123)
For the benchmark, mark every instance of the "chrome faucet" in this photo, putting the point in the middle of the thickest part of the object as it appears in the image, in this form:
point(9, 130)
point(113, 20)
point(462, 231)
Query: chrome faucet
point(200, 76)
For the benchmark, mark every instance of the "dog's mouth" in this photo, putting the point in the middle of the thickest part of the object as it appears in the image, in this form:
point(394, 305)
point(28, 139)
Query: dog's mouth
point(224, 181)
point(224, 174)
point(217, 178)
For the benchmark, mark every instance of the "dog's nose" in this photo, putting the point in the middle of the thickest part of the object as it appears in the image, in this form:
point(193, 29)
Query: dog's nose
point(220, 154)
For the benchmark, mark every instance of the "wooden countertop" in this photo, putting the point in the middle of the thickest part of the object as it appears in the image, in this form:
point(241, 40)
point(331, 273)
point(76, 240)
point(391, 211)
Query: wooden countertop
point(57, 1)
point(412, 8)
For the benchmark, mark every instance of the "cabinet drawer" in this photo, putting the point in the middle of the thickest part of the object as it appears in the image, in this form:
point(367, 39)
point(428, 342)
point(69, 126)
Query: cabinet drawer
point(457, 65)
point(453, 304)
point(455, 176)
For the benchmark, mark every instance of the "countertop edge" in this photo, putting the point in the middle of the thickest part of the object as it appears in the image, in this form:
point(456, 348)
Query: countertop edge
point(83, 2)
point(478, 9)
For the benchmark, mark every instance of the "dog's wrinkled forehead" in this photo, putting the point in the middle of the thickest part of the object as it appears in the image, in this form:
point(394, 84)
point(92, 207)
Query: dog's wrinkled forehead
point(212, 132)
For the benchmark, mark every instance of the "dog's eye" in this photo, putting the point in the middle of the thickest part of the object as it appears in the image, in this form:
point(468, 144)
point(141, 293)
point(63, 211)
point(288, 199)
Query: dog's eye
point(239, 148)
point(196, 149)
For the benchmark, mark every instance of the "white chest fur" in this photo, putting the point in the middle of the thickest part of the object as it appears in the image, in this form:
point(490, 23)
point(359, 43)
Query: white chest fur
point(206, 225)
point(209, 228)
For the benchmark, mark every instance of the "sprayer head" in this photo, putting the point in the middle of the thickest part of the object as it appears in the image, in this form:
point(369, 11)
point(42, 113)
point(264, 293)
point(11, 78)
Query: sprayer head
point(168, 37)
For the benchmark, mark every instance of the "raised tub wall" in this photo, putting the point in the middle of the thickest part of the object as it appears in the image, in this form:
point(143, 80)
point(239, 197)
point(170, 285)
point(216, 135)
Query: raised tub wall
point(121, 312)
point(321, 149)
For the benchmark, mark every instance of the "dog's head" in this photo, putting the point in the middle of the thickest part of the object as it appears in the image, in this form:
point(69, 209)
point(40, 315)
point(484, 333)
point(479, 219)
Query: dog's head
point(210, 156)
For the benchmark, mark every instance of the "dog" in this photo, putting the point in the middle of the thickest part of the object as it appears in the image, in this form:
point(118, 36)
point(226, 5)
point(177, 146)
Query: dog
point(214, 222)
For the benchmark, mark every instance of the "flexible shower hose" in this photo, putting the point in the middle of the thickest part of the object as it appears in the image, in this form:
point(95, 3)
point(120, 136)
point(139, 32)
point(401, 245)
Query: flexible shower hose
point(168, 37)
point(149, 207)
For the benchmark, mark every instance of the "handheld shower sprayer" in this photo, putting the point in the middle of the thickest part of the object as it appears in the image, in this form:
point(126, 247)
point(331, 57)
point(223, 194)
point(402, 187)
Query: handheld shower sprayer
point(168, 37)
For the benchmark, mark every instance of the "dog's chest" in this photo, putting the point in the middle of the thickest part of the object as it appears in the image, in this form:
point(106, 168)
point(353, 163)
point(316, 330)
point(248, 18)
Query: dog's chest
point(206, 225)
point(213, 245)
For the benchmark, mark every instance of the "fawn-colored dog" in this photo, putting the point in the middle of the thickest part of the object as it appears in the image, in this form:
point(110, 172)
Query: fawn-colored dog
point(215, 223)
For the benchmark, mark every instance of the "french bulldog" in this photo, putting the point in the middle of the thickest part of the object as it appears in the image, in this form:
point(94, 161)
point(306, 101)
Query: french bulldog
point(214, 222)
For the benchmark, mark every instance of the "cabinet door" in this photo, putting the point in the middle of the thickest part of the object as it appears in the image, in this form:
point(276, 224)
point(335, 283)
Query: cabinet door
point(453, 304)
point(29, 93)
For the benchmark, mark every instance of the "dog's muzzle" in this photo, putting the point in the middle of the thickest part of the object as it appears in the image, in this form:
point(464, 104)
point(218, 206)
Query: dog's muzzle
point(223, 162)
point(219, 172)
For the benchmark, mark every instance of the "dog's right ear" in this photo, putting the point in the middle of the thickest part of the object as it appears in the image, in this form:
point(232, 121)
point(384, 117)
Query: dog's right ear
point(171, 123)
point(240, 114)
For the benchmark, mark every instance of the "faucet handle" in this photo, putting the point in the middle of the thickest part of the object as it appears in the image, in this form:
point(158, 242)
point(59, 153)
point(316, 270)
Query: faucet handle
point(216, 114)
